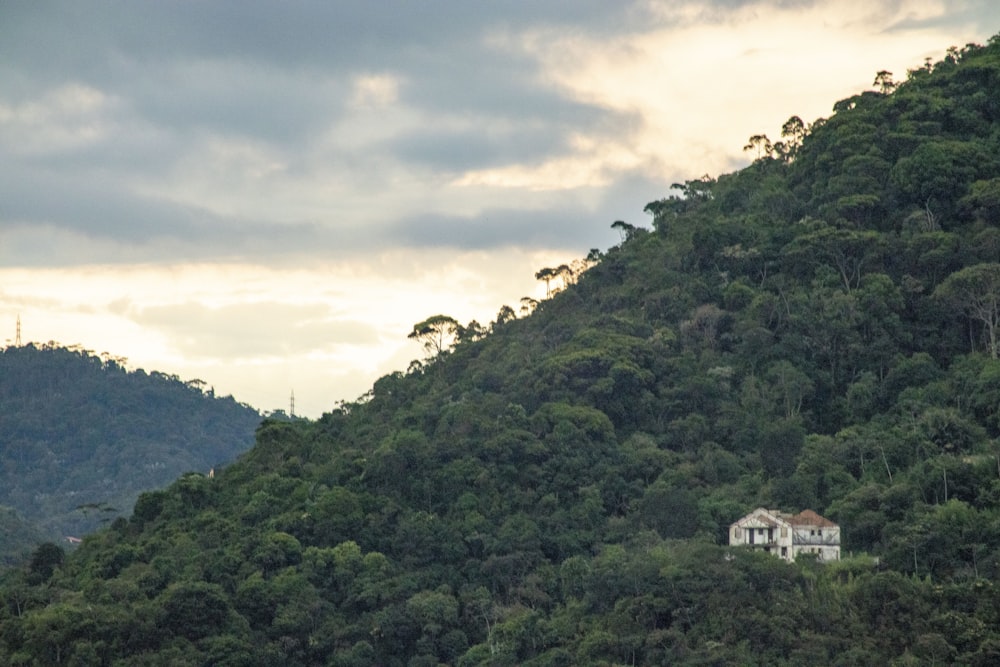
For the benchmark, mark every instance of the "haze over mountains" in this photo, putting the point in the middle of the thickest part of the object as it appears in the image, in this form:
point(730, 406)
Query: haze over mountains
point(815, 331)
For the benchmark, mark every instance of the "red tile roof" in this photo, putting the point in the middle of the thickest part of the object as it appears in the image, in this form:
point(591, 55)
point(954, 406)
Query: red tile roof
point(810, 518)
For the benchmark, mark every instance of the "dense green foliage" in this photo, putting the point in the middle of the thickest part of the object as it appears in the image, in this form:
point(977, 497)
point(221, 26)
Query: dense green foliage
point(81, 437)
point(18, 538)
point(814, 331)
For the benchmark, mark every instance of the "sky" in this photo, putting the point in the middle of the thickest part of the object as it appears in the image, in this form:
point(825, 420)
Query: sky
point(266, 196)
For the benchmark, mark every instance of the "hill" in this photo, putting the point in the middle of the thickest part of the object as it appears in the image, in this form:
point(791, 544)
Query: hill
point(17, 538)
point(82, 436)
point(817, 330)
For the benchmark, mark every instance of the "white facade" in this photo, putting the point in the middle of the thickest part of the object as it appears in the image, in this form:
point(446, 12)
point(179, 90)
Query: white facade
point(787, 535)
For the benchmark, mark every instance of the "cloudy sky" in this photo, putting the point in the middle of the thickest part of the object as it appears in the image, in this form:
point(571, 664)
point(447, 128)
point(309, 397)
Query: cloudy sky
point(267, 195)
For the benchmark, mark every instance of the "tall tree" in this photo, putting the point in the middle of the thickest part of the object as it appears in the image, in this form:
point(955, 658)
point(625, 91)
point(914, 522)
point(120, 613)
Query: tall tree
point(883, 79)
point(761, 145)
point(548, 275)
point(975, 292)
point(794, 133)
point(436, 333)
point(625, 229)
point(504, 315)
point(470, 332)
point(566, 273)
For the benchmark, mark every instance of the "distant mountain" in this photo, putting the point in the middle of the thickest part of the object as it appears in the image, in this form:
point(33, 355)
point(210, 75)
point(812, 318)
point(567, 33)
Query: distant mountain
point(816, 331)
point(17, 538)
point(81, 436)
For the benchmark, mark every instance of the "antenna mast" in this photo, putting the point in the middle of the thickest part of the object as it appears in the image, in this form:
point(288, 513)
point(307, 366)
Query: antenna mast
point(17, 338)
point(291, 411)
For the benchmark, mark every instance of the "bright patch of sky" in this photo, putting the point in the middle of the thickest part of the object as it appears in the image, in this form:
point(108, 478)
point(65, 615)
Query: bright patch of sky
point(267, 196)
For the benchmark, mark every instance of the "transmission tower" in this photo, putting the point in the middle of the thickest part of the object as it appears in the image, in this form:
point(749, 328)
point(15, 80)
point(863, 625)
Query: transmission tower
point(17, 338)
point(291, 410)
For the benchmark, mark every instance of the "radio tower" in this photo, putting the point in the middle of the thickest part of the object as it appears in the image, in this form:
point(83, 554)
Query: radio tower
point(17, 338)
point(291, 411)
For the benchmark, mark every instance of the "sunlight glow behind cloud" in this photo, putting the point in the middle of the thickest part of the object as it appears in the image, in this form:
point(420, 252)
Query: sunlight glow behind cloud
point(706, 81)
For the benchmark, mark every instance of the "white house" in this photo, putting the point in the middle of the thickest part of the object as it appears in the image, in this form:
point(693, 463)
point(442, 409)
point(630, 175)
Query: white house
point(787, 535)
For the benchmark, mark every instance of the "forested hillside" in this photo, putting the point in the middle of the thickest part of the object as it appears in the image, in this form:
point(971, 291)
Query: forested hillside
point(18, 538)
point(81, 437)
point(817, 330)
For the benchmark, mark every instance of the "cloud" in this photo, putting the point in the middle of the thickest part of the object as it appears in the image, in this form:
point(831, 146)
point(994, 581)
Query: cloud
point(154, 124)
point(372, 91)
point(65, 119)
point(258, 329)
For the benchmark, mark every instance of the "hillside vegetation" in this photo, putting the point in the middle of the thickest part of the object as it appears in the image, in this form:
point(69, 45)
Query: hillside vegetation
point(817, 330)
point(81, 437)
point(18, 538)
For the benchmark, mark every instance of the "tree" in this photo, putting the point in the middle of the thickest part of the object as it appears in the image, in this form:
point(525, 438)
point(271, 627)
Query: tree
point(563, 272)
point(436, 333)
point(504, 315)
point(624, 229)
point(794, 133)
point(790, 385)
point(567, 274)
point(547, 274)
point(843, 249)
point(44, 561)
point(194, 609)
point(883, 79)
point(939, 172)
point(975, 292)
point(984, 200)
point(472, 331)
point(761, 144)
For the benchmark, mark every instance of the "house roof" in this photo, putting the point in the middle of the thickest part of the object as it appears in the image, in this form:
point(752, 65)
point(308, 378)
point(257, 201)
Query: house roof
point(810, 518)
point(761, 517)
point(766, 517)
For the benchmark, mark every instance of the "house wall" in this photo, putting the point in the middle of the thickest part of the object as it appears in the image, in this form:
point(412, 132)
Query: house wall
point(822, 541)
point(774, 539)
point(824, 553)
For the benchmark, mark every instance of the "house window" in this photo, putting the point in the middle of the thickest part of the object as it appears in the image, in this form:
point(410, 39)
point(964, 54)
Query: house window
point(784, 552)
point(784, 531)
point(820, 532)
point(812, 532)
point(760, 532)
